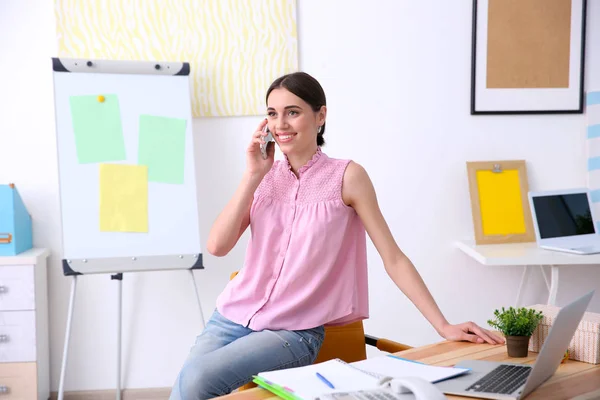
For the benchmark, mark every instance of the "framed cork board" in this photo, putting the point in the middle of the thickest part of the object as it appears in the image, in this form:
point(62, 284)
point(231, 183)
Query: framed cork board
point(528, 56)
point(498, 191)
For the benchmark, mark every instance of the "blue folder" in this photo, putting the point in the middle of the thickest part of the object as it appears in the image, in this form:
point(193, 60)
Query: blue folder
point(15, 222)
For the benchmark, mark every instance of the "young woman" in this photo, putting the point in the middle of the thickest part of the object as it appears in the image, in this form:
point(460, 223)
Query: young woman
point(306, 262)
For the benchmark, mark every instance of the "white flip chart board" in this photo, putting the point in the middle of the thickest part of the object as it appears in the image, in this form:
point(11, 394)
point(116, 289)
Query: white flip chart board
point(126, 166)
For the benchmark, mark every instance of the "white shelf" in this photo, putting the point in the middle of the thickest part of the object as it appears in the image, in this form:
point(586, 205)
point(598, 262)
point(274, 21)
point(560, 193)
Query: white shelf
point(522, 254)
point(526, 255)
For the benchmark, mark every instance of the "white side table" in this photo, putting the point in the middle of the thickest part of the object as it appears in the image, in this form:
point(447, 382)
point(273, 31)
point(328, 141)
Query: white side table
point(528, 255)
point(24, 348)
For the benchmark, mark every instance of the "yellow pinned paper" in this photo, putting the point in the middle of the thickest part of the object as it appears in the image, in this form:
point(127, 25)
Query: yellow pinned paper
point(123, 198)
point(501, 203)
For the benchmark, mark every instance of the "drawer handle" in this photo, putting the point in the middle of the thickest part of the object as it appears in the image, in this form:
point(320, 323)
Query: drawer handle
point(5, 238)
point(3, 338)
point(4, 389)
point(3, 289)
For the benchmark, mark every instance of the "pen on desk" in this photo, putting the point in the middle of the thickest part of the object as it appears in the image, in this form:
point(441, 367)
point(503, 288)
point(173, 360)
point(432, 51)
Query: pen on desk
point(321, 377)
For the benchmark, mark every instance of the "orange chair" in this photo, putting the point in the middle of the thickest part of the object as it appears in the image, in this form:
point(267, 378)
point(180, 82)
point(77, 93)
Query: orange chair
point(348, 343)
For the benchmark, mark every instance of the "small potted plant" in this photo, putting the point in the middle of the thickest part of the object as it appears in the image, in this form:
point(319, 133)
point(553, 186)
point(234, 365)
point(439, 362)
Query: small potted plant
point(517, 325)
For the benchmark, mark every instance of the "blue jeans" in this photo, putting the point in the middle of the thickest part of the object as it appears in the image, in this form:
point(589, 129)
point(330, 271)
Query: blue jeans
point(226, 355)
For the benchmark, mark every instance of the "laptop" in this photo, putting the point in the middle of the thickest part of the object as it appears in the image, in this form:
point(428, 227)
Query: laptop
point(564, 221)
point(495, 380)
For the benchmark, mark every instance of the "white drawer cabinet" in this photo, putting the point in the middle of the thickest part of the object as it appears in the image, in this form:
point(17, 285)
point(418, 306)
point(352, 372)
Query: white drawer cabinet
point(17, 286)
point(24, 348)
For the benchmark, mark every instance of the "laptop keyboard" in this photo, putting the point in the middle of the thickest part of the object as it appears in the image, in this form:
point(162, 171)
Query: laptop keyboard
point(503, 379)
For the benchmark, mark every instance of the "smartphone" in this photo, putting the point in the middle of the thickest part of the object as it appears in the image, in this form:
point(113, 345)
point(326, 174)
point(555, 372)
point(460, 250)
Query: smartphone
point(268, 138)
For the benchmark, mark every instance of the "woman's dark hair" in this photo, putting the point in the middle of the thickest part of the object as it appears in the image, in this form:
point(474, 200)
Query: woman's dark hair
point(307, 88)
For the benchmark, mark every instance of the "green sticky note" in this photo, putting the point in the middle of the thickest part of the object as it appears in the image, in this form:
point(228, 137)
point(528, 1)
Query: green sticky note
point(97, 128)
point(162, 148)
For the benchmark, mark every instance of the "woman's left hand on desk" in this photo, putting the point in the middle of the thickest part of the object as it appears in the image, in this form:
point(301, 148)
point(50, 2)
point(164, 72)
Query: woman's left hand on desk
point(470, 332)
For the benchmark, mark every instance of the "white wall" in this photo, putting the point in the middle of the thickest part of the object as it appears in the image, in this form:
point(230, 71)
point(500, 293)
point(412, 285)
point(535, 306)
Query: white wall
point(397, 78)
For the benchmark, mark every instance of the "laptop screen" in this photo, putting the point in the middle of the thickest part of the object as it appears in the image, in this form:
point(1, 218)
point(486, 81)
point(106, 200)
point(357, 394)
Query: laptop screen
point(563, 215)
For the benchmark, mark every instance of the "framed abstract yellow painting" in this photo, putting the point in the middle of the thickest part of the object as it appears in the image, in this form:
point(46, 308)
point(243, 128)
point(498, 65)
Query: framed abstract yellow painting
point(499, 204)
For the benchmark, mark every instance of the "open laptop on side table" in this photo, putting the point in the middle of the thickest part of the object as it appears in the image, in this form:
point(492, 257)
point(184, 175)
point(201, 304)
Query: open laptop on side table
point(564, 221)
point(495, 380)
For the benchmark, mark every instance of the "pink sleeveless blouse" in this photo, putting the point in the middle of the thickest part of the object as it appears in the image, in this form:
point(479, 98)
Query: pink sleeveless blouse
point(306, 261)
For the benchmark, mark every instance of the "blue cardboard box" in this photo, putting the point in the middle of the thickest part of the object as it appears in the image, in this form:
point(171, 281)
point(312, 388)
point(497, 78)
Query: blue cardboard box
point(15, 222)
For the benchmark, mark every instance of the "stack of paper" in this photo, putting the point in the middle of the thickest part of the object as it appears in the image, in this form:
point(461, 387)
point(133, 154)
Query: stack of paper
point(304, 383)
point(396, 367)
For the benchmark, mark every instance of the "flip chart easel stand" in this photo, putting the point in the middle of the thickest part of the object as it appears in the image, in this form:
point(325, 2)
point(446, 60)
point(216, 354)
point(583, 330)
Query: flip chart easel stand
point(119, 278)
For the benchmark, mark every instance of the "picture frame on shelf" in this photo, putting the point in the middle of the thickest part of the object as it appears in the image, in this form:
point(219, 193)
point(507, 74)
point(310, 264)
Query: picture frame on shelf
point(499, 205)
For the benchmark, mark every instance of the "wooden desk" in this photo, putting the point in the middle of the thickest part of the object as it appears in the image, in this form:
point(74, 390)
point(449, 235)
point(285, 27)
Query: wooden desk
point(573, 379)
point(528, 255)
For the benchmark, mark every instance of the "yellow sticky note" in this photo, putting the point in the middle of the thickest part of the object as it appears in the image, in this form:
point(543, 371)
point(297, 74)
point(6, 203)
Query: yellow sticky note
point(500, 202)
point(123, 198)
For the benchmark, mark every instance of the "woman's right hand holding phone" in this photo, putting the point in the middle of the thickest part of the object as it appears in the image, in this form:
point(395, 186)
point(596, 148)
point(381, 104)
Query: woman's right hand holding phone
point(255, 163)
point(235, 217)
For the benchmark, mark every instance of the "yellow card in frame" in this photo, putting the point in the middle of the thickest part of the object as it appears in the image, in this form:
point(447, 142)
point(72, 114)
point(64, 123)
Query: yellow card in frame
point(499, 205)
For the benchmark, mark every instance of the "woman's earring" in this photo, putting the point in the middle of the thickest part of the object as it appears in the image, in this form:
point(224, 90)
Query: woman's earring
point(319, 129)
